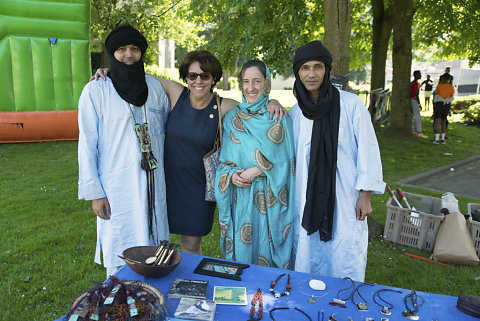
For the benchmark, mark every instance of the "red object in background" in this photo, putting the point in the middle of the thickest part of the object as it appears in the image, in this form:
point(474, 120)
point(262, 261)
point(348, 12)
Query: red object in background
point(38, 126)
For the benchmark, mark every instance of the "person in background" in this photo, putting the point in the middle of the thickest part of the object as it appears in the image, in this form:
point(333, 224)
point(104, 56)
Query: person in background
point(448, 76)
point(427, 91)
point(338, 168)
point(255, 178)
point(120, 151)
point(441, 108)
point(415, 102)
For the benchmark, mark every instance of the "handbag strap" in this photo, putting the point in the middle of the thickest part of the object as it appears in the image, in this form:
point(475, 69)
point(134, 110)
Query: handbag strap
point(219, 128)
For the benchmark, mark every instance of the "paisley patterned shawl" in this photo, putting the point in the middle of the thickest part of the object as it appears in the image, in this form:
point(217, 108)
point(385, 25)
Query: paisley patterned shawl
point(251, 139)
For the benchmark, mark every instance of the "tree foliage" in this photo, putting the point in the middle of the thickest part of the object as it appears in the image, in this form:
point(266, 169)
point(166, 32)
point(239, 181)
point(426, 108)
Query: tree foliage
point(451, 25)
point(270, 30)
point(156, 20)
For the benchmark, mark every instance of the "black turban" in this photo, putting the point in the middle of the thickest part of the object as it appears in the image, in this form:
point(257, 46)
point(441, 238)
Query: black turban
point(125, 35)
point(314, 50)
point(128, 80)
point(325, 113)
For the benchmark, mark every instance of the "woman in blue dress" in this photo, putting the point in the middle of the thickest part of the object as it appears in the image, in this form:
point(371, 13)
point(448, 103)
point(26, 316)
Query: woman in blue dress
point(254, 182)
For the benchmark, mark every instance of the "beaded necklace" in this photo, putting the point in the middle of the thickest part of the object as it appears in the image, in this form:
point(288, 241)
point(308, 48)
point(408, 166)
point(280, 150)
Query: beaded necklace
point(288, 287)
point(258, 296)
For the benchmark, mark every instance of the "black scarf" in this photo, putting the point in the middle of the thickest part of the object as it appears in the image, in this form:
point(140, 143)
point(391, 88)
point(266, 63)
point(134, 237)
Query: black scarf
point(325, 113)
point(128, 80)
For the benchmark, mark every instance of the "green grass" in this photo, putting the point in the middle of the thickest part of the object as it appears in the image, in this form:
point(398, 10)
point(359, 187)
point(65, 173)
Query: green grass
point(47, 236)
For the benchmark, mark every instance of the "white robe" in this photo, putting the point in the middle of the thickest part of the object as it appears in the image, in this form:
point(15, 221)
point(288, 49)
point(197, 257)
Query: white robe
point(358, 168)
point(109, 166)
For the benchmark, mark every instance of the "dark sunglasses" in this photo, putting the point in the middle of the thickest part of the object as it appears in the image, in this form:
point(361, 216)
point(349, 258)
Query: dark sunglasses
point(203, 76)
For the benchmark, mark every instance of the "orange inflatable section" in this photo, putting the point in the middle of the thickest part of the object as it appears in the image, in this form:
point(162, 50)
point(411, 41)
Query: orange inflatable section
point(38, 126)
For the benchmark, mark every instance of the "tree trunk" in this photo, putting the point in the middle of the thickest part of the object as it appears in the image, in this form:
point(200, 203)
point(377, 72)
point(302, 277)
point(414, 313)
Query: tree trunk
point(104, 61)
point(337, 34)
point(225, 85)
point(381, 31)
point(400, 114)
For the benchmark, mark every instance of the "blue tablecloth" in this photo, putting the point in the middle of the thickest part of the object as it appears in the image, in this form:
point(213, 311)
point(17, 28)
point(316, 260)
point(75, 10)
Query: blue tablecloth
point(435, 306)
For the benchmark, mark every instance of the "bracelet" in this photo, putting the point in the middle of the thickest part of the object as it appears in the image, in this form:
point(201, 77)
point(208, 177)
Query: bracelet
point(288, 287)
point(287, 308)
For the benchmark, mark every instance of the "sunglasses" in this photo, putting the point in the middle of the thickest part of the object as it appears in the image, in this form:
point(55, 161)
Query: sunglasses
point(203, 76)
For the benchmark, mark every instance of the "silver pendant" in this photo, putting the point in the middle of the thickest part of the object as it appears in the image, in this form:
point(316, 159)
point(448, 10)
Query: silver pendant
point(384, 319)
point(386, 311)
point(410, 315)
point(312, 300)
point(362, 306)
point(369, 319)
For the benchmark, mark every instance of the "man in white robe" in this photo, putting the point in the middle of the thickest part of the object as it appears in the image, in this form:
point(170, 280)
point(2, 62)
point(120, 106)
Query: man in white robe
point(358, 172)
point(109, 156)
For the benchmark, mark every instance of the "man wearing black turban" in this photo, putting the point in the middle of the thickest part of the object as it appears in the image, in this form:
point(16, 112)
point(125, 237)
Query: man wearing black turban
point(121, 127)
point(338, 167)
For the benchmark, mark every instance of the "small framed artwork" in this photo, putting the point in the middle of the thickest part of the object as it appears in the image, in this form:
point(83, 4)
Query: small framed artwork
point(220, 269)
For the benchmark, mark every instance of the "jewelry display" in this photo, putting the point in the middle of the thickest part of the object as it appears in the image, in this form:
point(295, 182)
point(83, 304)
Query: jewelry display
point(288, 287)
point(387, 306)
point(341, 303)
point(316, 288)
point(411, 313)
point(258, 296)
point(288, 308)
point(362, 306)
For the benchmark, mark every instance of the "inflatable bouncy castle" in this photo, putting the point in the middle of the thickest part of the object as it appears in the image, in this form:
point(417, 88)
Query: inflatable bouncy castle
point(44, 65)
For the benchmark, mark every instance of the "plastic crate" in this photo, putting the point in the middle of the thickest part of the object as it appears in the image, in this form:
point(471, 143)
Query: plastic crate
point(474, 226)
point(414, 229)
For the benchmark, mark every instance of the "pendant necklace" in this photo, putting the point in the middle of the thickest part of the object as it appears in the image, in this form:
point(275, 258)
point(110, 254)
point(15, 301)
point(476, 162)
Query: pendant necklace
point(387, 306)
point(148, 163)
point(316, 286)
point(411, 313)
point(341, 302)
point(362, 306)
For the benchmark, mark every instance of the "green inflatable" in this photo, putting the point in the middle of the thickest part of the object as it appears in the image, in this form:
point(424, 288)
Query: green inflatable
point(44, 63)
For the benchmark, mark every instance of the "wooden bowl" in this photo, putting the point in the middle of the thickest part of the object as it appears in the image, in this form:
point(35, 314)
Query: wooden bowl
point(135, 258)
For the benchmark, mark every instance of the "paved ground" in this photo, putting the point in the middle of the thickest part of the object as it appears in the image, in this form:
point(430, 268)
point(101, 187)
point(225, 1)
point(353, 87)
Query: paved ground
point(464, 179)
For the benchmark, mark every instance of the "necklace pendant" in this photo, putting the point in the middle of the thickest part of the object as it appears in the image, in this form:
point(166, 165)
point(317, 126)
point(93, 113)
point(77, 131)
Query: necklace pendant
point(338, 301)
point(312, 300)
point(410, 315)
point(277, 295)
point(384, 319)
point(362, 306)
point(386, 311)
